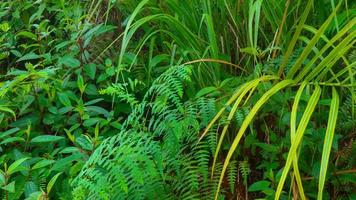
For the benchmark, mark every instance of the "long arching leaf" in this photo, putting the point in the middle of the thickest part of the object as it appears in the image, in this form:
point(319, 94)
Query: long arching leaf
point(310, 45)
point(250, 88)
point(295, 37)
point(246, 123)
point(298, 138)
point(232, 99)
point(333, 113)
point(293, 125)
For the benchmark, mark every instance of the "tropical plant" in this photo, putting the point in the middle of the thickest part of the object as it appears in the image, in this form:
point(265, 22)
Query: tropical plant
point(177, 99)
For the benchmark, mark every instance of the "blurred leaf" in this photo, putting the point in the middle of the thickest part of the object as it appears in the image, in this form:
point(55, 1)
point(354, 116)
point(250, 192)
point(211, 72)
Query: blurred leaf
point(30, 187)
point(46, 138)
point(63, 98)
point(13, 139)
point(14, 167)
point(42, 163)
point(9, 187)
point(69, 61)
point(259, 186)
point(205, 91)
point(51, 182)
point(9, 132)
point(29, 56)
point(90, 70)
point(84, 142)
point(27, 34)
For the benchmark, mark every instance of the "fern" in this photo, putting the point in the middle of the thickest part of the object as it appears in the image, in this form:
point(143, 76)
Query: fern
point(347, 120)
point(155, 157)
point(120, 166)
point(119, 91)
point(271, 67)
point(232, 174)
point(240, 115)
point(245, 170)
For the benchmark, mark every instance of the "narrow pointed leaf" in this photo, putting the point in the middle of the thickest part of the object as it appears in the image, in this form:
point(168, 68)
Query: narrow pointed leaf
point(250, 87)
point(293, 125)
point(246, 123)
point(330, 131)
point(295, 37)
point(298, 138)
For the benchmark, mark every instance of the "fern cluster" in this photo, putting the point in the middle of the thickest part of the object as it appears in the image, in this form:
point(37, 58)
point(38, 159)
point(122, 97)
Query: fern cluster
point(156, 154)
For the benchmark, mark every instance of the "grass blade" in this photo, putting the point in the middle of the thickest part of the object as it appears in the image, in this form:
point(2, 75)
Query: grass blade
point(293, 125)
point(126, 37)
point(310, 45)
point(231, 100)
point(247, 122)
point(299, 135)
point(333, 56)
point(333, 113)
point(250, 87)
point(295, 37)
point(339, 35)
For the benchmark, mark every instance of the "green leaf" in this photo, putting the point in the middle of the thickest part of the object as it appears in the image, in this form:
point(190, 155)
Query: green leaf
point(63, 98)
point(2, 178)
point(69, 135)
point(259, 186)
point(91, 89)
point(14, 167)
point(248, 87)
point(46, 138)
point(70, 150)
point(293, 125)
point(80, 84)
point(330, 132)
point(13, 139)
point(98, 110)
point(9, 132)
point(246, 123)
point(9, 187)
point(6, 109)
point(1, 117)
point(232, 99)
point(298, 137)
point(65, 163)
point(91, 121)
point(29, 188)
point(51, 182)
point(205, 91)
point(62, 44)
point(295, 37)
point(84, 142)
point(69, 61)
point(27, 34)
point(309, 47)
point(29, 56)
point(90, 70)
point(110, 71)
point(250, 50)
point(108, 62)
point(43, 163)
point(4, 26)
point(35, 196)
point(16, 53)
point(94, 101)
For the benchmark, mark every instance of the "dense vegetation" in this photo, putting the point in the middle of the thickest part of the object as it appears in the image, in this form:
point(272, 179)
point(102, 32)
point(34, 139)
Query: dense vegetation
point(177, 99)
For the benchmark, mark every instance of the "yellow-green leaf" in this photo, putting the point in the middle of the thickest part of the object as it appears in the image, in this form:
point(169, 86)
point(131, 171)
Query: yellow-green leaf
point(333, 113)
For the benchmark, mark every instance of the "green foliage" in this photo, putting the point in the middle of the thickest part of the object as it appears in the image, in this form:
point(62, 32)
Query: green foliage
point(154, 156)
point(177, 99)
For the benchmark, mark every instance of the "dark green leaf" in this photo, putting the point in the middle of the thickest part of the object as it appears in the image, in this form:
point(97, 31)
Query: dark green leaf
point(46, 138)
point(259, 186)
